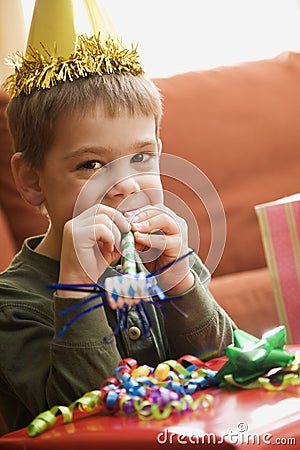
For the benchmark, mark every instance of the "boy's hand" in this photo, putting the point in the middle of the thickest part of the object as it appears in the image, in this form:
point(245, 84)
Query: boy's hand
point(90, 243)
point(158, 228)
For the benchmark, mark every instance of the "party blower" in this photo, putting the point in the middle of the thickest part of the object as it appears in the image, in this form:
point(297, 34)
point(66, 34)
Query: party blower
point(129, 288)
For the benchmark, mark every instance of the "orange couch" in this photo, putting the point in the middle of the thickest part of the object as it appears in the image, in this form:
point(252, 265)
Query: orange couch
point(240, 126)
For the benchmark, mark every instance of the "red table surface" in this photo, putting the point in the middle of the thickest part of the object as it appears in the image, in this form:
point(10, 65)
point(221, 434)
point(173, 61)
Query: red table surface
point(238, 419)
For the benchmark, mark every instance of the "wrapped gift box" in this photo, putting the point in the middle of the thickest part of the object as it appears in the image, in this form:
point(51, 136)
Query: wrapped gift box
point(279, 223)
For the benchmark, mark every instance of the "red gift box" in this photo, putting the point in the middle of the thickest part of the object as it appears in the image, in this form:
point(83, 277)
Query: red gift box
point(279, 223)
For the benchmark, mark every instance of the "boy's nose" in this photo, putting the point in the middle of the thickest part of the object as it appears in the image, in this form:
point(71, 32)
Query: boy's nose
point(124, 188)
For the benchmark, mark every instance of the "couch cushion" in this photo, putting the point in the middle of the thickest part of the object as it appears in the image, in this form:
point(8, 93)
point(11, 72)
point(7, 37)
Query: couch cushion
point(240, 126)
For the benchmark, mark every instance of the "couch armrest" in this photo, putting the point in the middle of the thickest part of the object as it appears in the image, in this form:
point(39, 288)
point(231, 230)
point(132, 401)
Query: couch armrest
point(248, 298)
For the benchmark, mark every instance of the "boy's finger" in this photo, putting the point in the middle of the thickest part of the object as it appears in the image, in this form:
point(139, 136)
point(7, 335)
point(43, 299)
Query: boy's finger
point(157, 241)
point(145, 213)
point(115, 215)
point(163, 222)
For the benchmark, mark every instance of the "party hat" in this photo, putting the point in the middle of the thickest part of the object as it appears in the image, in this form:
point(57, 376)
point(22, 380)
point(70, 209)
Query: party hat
point(57, 24)
point(69, 39)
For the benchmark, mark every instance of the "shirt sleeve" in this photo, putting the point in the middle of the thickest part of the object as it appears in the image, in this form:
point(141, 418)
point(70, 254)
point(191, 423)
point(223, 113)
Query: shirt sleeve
point(196, 324)
point(39, 369)
point(80, 358)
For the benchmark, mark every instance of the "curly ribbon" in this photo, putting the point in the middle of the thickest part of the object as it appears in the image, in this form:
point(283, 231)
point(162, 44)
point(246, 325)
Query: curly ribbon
point(155, 393)
point(48, 418)
point(147, 410)
point(250, 357)
point(149, 393)
point(288, 379)
point(89, 402)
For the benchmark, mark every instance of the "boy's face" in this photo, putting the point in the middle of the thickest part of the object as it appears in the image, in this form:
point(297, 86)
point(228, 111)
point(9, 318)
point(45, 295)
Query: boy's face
point(115, 160)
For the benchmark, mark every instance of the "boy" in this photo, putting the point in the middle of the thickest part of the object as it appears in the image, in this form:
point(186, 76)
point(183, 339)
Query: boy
point(95, 138)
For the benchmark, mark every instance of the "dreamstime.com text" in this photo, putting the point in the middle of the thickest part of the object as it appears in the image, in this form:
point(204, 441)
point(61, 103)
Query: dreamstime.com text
point(239, 436)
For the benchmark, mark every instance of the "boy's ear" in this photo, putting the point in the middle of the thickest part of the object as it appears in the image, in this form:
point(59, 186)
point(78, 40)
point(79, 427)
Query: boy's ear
point(27, 180)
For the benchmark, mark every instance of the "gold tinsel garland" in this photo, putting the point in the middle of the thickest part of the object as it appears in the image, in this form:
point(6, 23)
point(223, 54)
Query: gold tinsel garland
point(92, 55)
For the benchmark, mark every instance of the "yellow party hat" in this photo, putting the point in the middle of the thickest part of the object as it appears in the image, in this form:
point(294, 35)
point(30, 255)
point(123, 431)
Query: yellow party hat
point(57, 24)
point(69, 39)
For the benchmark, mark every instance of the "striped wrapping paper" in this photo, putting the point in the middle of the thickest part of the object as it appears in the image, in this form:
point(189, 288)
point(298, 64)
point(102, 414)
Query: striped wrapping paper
point(279, 223)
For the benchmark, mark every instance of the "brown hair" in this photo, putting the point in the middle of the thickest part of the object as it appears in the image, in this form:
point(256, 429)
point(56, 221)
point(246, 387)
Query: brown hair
point(32, 118)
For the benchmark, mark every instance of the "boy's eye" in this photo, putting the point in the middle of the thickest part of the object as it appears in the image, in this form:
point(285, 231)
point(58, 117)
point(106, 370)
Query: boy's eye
point(142, 157)
point(91, 165)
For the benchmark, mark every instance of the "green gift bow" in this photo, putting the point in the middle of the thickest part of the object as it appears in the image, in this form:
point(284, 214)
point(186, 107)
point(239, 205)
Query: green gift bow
point(250, 357)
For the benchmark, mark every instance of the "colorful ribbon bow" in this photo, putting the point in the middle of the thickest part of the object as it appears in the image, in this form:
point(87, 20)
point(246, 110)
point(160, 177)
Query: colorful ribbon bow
point(250, 357)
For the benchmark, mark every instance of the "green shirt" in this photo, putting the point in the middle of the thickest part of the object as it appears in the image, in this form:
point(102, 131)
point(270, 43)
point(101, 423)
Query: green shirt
point(39, 370)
